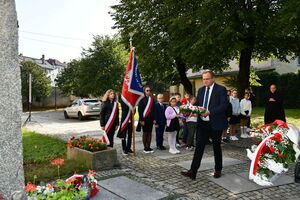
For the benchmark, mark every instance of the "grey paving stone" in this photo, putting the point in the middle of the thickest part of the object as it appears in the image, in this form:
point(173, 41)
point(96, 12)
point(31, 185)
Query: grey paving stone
point(105, 195)
point(131, 190)
point(282, 180)
point(239, 183)
point(209, 163)
point(166, 155)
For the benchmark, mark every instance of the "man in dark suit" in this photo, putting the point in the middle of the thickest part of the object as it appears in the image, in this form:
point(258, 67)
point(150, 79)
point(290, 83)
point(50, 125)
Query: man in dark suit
point(210, 124)
point(160, 119)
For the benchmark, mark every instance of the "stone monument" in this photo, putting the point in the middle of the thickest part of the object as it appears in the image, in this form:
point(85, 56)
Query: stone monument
point(11, 157)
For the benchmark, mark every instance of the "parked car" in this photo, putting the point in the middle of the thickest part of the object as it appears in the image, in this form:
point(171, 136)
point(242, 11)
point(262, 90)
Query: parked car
point(83, 108)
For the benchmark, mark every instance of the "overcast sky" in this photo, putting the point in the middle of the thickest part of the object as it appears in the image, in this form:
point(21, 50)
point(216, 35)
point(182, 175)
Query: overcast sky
point(60, 28)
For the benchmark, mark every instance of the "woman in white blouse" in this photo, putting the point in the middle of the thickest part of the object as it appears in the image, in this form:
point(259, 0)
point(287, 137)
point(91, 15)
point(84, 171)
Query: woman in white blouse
point(246, 109)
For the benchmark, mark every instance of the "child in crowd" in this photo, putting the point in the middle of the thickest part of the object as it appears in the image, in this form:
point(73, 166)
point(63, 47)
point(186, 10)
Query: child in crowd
point(172, 115)
point(192, 126)
point(246, 109)
point(236, 111)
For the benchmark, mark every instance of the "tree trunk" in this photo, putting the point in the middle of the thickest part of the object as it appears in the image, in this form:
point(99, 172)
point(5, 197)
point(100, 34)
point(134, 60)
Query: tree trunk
point(244, 68)
point(181, 68)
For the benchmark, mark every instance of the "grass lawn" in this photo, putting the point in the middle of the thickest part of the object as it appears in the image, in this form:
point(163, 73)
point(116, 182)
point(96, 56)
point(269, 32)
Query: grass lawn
point(39, 150)
point(292, 116)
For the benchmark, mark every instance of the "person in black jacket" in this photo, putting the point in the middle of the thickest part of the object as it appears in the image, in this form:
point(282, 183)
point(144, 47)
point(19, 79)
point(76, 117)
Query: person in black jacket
point(274, 106)
point(146, 118)
point(125, 133)
point(210, 124)
point(109, 101)
point(160, 119)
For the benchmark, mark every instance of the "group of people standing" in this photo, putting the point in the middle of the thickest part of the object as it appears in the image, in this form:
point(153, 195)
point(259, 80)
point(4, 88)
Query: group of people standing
point(165, 118)
point(223, 110)
point(238, 112)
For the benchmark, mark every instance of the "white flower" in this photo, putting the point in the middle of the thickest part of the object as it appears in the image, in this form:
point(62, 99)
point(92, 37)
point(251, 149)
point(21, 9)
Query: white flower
point(253, 148)
point(274, 166)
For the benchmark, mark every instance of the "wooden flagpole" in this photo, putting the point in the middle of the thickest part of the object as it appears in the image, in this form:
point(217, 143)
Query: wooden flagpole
point(132, 116)
point(133, 134)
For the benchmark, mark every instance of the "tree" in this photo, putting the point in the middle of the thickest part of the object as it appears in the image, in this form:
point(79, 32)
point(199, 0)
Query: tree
point(152, 40)
point(41, 84)
point(246, 30)
point(209, 33)
point(101, 67)
point(254, 79)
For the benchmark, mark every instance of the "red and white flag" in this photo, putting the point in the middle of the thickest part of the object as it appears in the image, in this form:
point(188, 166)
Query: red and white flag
point(132, 91)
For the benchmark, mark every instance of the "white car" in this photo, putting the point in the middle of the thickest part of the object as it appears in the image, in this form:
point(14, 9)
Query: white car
point(83, 108)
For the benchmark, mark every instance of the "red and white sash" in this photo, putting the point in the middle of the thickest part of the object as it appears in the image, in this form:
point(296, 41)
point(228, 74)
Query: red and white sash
point(109, 123)
point(148, 107)
point(126, 121)
point(257, 153)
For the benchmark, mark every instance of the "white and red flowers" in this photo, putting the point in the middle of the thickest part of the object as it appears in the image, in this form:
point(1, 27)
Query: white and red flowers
point(273, 153)
point(188, 110)
point(75, 187)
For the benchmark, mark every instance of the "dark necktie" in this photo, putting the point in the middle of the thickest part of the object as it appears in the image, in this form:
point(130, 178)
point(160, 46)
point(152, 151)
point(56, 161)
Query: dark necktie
point(206, 98)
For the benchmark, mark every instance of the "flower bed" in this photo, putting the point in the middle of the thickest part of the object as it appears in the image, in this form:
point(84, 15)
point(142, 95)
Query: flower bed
point(75, 187)
point(89, 144)
point(273, 153)
point(93, 152)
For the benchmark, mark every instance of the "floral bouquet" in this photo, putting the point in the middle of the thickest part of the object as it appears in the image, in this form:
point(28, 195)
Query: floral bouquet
point(76, 187)
point(273, 153)
point(89, 144)
point(187, 110)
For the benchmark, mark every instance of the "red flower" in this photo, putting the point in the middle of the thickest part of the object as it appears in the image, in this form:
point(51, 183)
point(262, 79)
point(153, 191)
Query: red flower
point(92, 172)
point(58, 161)
point(258, 142)
point(94, 189)
point(280, 155)
point(265, 150)
point(277, 136)
point(280, 123)
point(30, 187)
point(272, 149)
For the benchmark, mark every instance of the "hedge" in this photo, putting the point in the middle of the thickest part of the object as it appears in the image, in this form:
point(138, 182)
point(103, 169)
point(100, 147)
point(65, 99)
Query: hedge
point(287, 84)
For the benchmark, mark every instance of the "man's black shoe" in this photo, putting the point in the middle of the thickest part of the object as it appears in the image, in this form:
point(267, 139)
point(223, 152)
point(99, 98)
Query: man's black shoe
point(217, 174)
point(189, 174)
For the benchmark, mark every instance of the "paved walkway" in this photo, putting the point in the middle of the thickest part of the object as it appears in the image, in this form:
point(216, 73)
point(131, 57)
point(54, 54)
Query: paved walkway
point(157, 175)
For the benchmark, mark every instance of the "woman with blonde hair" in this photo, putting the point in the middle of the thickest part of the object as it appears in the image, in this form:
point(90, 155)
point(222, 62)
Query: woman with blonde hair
point(109, 116)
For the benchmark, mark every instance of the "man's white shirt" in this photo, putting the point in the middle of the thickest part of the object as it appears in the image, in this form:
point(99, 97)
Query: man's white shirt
point(209, 94)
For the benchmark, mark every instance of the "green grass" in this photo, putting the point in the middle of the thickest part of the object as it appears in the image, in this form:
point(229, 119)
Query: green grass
point(39, 150)
point(292, 116)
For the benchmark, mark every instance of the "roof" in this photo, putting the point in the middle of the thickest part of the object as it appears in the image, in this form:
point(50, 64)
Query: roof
point(234, 68)
point(47, 64)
